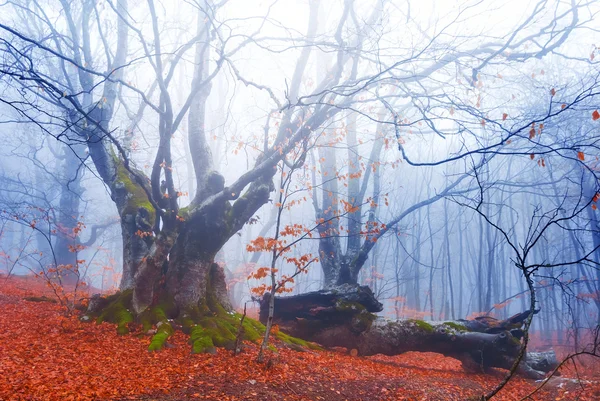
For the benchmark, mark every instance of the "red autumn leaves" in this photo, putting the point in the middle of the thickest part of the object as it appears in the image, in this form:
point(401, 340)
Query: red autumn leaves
point(45, 356)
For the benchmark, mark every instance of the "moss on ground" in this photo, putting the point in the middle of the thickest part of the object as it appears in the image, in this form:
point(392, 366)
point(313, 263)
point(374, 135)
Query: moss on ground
point(219, 331)
point(156, 314)
point(207, 330)
point(163, 332)
point(253, 330)
point(118, 311)
point(201, 341)
point(296, 341)
point(160, 316)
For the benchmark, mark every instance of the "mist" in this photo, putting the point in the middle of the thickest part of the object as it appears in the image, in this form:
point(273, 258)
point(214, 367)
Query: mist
point(243, 156)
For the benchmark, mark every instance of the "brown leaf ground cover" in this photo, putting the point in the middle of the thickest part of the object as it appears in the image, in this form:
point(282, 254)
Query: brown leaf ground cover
point(47, 356)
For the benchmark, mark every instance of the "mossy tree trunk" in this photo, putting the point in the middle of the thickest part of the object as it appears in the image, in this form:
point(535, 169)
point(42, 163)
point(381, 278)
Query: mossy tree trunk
point(178, 263)
point(169, 268)
point(343, 316)
point(193, 278)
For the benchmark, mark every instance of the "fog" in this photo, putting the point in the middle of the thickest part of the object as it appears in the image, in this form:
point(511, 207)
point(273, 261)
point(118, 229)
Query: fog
point(444, 154)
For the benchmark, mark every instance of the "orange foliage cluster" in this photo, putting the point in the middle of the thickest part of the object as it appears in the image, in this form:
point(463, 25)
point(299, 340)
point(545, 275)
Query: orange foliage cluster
point(262, 244)
point(293, 230)
point(45, 356)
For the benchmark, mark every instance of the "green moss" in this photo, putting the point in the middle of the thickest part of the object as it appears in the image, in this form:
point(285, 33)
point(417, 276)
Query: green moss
point(158, 341)
point(163, 332)
point(250, 332)
point(257, 325)
point(291, 340)
point(203, 345)
point(169, 309)
point(137, 198)
point(146, 320)
point(197, 333)
point(184, 212)
point(349, 307)
point(422, 325)
point(296, 341)
point(187, 323)
point(207, 329)
point(201, 341)
point(152, 316)
point(158, 315)
point(455, 326)
point(40, 299)
point(253, 329)
point(118, 312)
point(221, 331)
point(160, 338)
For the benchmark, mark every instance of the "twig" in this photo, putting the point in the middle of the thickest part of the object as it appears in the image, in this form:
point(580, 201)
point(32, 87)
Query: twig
point(240, 333)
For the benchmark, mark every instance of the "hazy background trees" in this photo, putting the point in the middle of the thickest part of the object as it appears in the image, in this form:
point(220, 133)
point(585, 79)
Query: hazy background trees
point(440, 133)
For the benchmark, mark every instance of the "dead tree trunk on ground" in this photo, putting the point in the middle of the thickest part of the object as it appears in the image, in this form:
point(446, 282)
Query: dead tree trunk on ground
point(343, 316)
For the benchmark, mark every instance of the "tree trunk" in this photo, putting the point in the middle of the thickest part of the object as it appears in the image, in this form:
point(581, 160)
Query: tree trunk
point(65, 245)
point(193, 278)
point(343, 316)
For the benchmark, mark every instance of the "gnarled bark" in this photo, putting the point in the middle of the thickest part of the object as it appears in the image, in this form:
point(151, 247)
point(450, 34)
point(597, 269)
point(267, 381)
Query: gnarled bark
point(343, 316)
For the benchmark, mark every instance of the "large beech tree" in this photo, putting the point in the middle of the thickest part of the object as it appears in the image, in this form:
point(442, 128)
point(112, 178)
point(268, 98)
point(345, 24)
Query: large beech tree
point(167, 251)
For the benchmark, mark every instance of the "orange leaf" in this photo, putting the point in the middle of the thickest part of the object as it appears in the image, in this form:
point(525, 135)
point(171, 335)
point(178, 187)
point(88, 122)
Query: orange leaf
point(580, 156)
point(595, 115)
point(504, 116)
point(531, 156)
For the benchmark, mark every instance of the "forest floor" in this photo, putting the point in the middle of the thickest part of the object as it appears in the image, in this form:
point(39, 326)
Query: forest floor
point(47, 356)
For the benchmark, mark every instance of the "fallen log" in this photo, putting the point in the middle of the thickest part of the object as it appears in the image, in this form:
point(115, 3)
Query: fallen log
point(344, 317)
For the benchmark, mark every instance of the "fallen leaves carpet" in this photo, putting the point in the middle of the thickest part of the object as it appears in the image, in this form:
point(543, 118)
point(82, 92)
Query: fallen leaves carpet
point(46, 356)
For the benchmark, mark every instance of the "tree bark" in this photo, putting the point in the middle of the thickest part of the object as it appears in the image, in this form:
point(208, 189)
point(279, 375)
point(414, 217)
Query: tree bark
point(193, 278)
point(66, 242)
point(343, 316)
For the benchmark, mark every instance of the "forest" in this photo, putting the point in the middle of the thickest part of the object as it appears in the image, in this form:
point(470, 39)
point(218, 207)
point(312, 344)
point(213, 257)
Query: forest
point(299, 200)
